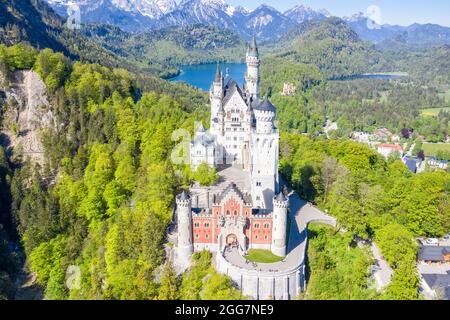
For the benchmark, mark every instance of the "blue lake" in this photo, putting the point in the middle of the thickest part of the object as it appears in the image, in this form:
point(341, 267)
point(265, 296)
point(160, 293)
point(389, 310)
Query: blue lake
point(375, 76)
point(202, 75)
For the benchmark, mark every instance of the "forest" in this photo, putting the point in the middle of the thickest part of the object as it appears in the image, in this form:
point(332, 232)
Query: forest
point(372, 199)
point(103, 200)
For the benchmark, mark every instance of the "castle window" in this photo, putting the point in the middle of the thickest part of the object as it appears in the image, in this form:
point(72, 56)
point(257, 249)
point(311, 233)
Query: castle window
point(235, 212)
point(266, 226)
point(259, 184)
point(256, 225)
point(228, 212)
point(196, 224)
point(256, 237)
point(197, 236)
point(206, 236)
point(206, 225)
point(266, 237)
point(258, 198)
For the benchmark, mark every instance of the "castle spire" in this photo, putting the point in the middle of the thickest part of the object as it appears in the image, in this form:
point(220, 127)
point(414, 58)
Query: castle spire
point(254, 48)
point(218, 77)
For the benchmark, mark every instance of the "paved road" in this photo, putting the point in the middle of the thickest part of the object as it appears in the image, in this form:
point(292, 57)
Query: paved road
point(301, 214)
point(384, 273)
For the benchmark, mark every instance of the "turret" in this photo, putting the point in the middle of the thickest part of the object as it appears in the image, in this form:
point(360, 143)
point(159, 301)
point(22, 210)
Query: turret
point(216, 97)
point(265, 116)
point(218, 83)
point(252, 77)
point(279, 225)
point(185, 247)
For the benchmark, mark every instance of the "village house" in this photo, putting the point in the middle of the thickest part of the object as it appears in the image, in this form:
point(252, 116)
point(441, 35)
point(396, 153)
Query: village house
point(388, 149)
point(434, 255)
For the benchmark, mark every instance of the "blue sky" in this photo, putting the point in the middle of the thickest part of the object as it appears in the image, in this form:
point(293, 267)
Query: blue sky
point(402, 12)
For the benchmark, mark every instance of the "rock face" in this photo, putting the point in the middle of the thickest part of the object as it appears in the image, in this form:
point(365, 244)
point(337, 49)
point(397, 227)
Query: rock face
point(27, 112)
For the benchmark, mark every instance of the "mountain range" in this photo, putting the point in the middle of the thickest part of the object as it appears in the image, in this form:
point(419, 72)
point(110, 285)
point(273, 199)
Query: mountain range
point(399, 37)
point(265, 22)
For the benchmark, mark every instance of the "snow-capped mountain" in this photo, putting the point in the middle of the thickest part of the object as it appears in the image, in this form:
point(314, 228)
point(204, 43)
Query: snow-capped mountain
point(209, 12)
point(302, 13)
point(153, 9)
point(266, 22)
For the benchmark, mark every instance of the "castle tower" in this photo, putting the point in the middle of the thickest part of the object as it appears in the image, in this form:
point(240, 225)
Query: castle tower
point(216, 98)
point(264, 156)
point(279, 227)
point(265, 116)
point(252, 77)
point(185, 247)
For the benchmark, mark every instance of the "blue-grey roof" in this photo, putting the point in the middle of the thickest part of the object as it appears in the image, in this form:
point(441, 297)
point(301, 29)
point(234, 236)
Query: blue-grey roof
point(432, 253)
point(412, 165)
point(253, 49)
point(281, 197)
point(435, 281)
point(184, 196)
point(218, 76)
point(266, 105)
point(230, 88)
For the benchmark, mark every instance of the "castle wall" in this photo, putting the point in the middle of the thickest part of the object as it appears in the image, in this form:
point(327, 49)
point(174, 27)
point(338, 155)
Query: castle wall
point(282, 285)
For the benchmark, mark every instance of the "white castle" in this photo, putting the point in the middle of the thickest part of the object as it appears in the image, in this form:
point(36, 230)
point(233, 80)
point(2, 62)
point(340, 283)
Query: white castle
point(245, 210)
point(242, 132)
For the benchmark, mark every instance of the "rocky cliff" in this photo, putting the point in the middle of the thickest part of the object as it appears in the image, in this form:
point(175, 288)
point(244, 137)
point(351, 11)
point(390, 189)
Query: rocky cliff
point(26, 113)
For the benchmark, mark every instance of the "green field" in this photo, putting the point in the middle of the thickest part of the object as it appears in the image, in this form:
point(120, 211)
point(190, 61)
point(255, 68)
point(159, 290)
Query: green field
point(262, 256)
point(431, 149)
point(432, 112)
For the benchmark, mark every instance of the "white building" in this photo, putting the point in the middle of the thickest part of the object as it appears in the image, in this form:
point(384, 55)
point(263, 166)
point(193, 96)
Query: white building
point(387, 150)
point(242, 132)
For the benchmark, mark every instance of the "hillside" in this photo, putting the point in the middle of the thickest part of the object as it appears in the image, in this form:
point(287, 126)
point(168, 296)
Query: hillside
point(329, 44)
point(33, 22)
point(170, 46)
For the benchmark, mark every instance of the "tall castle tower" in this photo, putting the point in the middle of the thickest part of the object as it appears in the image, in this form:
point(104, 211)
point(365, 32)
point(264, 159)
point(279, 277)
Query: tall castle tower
point(185, 247)
point(216, 98)
point(252, 77)
point(279, 226)
point(264, 156)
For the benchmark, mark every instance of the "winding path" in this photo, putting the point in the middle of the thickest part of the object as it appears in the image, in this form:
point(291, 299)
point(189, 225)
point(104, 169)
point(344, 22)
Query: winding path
point(301, 214)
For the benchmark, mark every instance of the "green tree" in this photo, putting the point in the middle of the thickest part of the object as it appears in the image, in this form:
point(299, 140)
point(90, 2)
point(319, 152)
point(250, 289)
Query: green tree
point(168, 289)
point(405, 283)
point(397, 244)
point(206, 175)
